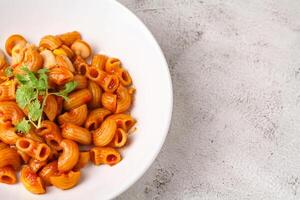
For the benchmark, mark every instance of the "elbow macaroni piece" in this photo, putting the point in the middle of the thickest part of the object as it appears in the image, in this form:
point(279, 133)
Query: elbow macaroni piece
point(69, 38)
point(75, 116)
point(95, 118)
point(49, 170)
point(104, 135)
point(51, 133)
point(99, 61)
point(124, 100)
point(94, 74)
point(51, 107)
point(53, 139)
point(76, 133)
point(64, 61)
point(32, 181)
point(81, 81)
point(39, 151)
point(8, 91)
point(105, 155)
point(17, 56)
point(119, 139)
point(123, 121)
point(10, 111)
point(60, 75)
point(110, 83)
point(96, 94)
point(66, 180)
point(68, 159)
point(42, 152)
point(10, 157)
point(8, 175)
point(32, 58)
point(77, 98)
point(27, 146)
point(12, 41)
point(109, 101)
point(8, 134)
point(81, 66)
point(50, 42)
point(112, 65)
point(124, 77)
point(36, 165)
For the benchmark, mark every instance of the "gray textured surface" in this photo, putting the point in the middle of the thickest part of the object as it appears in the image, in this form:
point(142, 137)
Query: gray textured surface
point(235, 67)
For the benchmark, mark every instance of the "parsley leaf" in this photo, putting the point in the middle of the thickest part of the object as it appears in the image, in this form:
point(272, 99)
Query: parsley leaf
point(24, 95)
point(69, 87)
point(42, 71)
point(43, 79)
point(32, 79)
point(9, 72)
point(21, 79)
point(23, 126)
point(35, 110)
point(28, 79)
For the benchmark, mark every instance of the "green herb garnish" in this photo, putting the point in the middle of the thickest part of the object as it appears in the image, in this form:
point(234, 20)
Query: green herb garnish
point(23, 126)
point(69, 87)
point(32, 94)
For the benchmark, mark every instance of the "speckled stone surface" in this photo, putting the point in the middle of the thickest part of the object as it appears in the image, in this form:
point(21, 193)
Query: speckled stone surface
point(235, 131)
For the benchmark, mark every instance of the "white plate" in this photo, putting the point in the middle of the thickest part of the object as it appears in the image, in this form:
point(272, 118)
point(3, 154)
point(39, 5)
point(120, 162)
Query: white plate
point(112, 29)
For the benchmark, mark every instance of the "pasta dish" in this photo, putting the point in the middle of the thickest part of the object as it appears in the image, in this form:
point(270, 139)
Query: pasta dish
point(61, 107)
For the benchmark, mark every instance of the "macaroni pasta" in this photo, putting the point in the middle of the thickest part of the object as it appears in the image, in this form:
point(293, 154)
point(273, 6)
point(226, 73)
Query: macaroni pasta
point(62, 107)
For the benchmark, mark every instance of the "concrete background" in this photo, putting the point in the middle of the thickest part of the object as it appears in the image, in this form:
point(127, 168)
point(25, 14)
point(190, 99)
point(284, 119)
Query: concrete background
point(235, 67)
